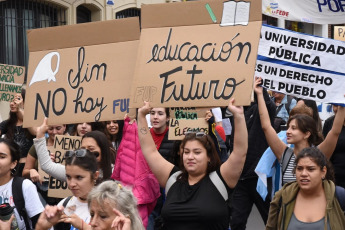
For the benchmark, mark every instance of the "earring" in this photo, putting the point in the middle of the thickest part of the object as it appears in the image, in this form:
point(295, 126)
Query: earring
point(13, 171)
point(323, 178)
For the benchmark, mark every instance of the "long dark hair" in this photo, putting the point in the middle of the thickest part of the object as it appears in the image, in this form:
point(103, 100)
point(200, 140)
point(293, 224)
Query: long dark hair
point(117, 137)
point(14, 151)
point(103, 144)
point(319, 158)
point(12, 123)
point(207, 142)
point(306, 124)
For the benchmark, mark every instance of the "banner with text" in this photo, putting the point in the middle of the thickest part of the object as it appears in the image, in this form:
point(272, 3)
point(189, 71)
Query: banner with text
point(184, 120)
point(339, 33)
point(201, 55)
point(11, 81)
point(301, 65)
point(62, 143)
point(81, 73)
point(311, 11)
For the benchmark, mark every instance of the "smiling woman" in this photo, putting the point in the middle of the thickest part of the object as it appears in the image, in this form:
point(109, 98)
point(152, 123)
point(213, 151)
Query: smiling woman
point(310, 202)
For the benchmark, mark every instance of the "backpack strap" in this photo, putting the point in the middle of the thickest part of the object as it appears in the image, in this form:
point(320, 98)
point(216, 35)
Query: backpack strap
point(340, 194)
point(213, 176)
point(66, 201)
point(287, 105)
point(219, 185)
point(18, 199)
point(286, 158)
point(172, 179)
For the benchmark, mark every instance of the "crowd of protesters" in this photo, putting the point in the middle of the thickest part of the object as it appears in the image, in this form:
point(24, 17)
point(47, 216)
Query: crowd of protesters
point(129, 176)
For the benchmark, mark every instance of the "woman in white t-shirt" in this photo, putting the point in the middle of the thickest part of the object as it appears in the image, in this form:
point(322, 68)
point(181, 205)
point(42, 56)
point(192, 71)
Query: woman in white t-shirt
point(9, 158)
point(81, 174)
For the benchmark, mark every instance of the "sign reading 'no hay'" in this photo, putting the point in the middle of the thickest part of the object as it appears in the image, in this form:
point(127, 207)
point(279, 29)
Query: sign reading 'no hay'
point(197, 54)
point(81, 73)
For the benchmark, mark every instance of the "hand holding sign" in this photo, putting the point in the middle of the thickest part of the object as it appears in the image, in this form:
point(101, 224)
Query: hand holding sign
point(235, 110)
point(41, 130)
point(144, 110)
point(257, 85)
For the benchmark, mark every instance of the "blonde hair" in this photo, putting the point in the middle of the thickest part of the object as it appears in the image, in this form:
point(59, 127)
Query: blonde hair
point(119, 197)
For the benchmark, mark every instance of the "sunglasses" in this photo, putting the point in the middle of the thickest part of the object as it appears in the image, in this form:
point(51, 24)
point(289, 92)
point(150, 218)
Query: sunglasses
point(197, 134)
point(79, 153)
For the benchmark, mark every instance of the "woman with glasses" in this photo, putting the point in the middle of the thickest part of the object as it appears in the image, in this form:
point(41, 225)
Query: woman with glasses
point(82, 174)
point(198, 196)
point(94, 141)
point(30, 170)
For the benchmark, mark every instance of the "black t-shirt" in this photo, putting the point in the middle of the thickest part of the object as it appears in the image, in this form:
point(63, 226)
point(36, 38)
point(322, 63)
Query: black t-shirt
point(199, 206)
point(19, 137)
point(338, 157)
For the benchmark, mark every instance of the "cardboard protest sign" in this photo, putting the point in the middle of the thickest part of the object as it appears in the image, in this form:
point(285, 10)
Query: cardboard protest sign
point(196, 53)
point(81, 73)
point(339, 33)
point(62, 143)
point(301, 65)
point(184, 120)
point(11, 81)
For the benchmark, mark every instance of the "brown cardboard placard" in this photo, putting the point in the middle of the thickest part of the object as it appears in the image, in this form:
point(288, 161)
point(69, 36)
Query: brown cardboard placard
point(81, 73)
point(62, 143)
point(339, 33)
point(11, 81)
point(186, 58)
point(178, 128)
point(188, 113)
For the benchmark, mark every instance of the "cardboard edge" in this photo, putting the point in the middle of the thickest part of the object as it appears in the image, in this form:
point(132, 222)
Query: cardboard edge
point(111, 31)
point(188, 13)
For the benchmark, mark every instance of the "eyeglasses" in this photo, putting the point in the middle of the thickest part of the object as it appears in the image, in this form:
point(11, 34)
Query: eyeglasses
point(79, 153)
point(197, 134)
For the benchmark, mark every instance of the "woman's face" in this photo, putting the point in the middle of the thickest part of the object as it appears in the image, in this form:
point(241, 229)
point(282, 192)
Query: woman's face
point(158, 119)
point(101, 216)
point(294, 134)
point(6, 163)
point(195, 159)
point(79, 181)
point(112, 127)
point(83, 128)
point(309, 175)
point(90, 144)
point(56, 130)
point(13, 106)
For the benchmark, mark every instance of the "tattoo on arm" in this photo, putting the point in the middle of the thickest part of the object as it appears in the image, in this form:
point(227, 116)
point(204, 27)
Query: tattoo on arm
point(143, 131)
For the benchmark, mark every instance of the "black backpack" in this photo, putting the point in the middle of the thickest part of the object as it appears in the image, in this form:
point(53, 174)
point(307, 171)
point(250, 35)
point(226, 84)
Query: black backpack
point(18, 199)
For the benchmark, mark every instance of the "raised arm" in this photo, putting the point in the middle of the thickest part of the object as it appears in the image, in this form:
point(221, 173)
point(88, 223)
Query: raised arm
point(20, 105)
point(53, 169)
point(160, 167)
point(330, 142)
point(277, 145)
point(232, 168)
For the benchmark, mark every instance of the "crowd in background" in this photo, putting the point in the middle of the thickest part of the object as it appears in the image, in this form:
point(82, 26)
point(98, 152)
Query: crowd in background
point(129, 176)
